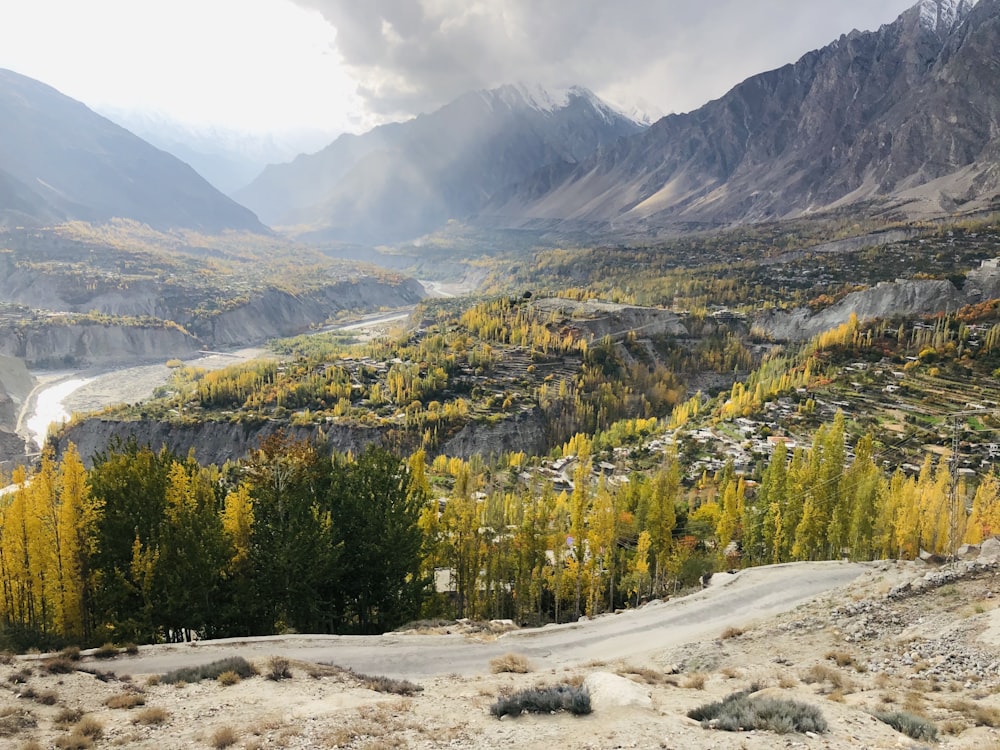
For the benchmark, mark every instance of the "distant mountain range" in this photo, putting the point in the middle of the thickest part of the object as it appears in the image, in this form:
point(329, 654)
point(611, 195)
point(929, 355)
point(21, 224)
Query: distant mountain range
point(907, 116)
point(905, 119)
point(401, 180)
point(61, 161)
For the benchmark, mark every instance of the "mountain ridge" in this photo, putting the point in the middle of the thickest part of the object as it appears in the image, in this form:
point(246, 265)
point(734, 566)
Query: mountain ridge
point(61, 161)
point(872, 116)
point(400, 180)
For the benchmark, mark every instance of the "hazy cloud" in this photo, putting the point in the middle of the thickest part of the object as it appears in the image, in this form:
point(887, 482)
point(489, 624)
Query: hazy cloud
point(410, 56)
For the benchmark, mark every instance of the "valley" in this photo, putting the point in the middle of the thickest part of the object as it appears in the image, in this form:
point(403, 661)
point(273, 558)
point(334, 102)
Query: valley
point(512, 391)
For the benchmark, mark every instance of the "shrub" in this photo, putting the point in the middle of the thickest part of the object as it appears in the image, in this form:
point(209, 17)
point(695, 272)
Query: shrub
point(7, 657)
point(841, 658)
point(47, 697)
point(71, 652)
point(107, 651)
point(696, 681)
point(731, 632)
point(279, 668)
point(125, 700)
point(210, 671)
point(743, 712)
point(74, 741)
point(68, 716)
point(576, 700)
point(90, 727)
point(515, 663)
point(59, 665)
point(224, 737)
point(911, 725)
point(383, 684)
point(228, 678)
point(131, 649)
point(151, 716)
point(15, 720)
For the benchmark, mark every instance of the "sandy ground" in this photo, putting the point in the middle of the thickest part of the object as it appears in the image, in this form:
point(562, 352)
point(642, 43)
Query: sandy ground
point(847, 651)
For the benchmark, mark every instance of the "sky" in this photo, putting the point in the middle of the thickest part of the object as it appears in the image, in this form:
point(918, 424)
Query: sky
point(346, 65)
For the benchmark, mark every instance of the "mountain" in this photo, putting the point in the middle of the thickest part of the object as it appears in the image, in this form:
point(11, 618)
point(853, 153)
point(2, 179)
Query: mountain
point(908, 115)
point(401, 180)
point(61, 161)
point(228, 158)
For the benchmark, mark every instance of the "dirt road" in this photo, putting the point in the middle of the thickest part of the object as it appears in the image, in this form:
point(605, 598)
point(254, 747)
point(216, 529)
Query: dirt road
point(740, 600)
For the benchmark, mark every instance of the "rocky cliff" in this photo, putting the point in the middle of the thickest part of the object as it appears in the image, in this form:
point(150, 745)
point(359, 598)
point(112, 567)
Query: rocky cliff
point(903, 297)
point(84, 344)
point(212, 442)
point(275, 313)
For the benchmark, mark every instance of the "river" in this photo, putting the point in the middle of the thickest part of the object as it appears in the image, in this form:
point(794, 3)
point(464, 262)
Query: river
point(49, 407)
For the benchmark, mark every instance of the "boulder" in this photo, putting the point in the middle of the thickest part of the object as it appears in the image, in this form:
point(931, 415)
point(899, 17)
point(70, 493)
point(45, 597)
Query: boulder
point(989, 550)
point(611, 691)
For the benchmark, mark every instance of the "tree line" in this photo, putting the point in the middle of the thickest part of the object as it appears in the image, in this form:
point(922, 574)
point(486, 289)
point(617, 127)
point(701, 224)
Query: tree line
point(147, 546)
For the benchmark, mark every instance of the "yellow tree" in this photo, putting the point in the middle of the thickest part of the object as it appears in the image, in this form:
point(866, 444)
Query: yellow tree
point(76, 540)
point(985, 519)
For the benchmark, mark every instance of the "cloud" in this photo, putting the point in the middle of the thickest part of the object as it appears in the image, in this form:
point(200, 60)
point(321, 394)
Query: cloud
point(411, 56)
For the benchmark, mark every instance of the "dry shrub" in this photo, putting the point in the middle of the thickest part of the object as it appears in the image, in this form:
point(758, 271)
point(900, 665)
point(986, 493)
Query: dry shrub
point(59, 665)
point(978, 714)
point(90, 727)
point(730, 673)
point(13, 721)
point(515, 663)
point(107, 651)
point(151, 716)
point(46, 697)
point(32, 745)
point(71, 652)
point(229, 678)
point(7, 657)
point(125, 700)
point(821, 673)
point(74, 741)
point(695, 681)
point(642, 674)
point(224, 737)
point(743, 712)
point(841, 658)
point(279, 668)
point(731, 632)
point(131, 649)
point(787, 681)
point(68, 716)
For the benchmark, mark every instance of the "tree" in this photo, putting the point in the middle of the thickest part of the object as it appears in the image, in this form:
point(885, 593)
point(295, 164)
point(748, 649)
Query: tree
point(376, 520)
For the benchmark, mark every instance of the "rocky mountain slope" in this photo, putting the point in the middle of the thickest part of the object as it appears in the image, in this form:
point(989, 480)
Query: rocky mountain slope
point(907, 114)
point(401, 180)
point(60, 161)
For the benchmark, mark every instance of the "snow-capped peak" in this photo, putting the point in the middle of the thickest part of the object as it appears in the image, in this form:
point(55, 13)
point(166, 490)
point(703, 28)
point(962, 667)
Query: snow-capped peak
point(942, 15)
point(516, 96)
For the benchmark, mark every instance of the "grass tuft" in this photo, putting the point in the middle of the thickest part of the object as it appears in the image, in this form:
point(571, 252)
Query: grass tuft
point(575, 700)
point(731, 632)
point(151, 716)
point(229, 677)
point(514, 663)
point(743, 712)
point(224, 737)
point(125, 700)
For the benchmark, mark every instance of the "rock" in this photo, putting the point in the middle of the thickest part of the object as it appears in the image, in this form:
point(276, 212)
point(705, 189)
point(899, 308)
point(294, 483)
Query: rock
point(967, 552)
point(989, 550)
point(611, 691)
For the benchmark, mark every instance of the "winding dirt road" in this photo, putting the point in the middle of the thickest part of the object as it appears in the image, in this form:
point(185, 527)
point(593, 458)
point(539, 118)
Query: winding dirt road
point(748, 596)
